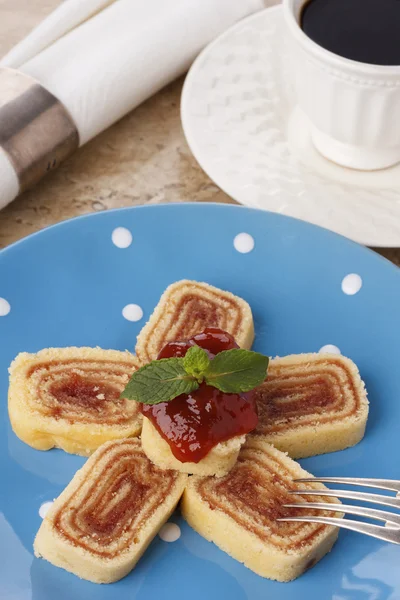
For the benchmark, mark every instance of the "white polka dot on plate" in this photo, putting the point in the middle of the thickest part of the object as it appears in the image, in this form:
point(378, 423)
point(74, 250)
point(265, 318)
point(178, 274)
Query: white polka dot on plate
point(121, 237)
point(132, 312)
point(243, 243)
point(170, 532)
point(4, 307)
point(329, 349)
point(44, 508)
point(351, 284)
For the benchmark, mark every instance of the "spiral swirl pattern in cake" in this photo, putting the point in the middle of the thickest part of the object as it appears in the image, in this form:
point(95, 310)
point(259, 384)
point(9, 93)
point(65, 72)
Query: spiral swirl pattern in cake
point(70, 398)
point(312, 404)
point(105, 518)
point(187, 308)
point(239, 513)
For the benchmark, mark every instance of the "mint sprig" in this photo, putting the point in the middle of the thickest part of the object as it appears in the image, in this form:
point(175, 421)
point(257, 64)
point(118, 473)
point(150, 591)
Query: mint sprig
point(160, 381)
point(231, 371)
point(196, 362)
point(235, 371)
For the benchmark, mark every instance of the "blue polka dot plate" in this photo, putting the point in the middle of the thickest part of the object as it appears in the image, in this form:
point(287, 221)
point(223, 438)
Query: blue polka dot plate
point(95, 281)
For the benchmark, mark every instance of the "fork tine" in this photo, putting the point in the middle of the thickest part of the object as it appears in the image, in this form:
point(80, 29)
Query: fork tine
point(387, 534)
point(361, 511)
point(380, 484)
point(375, 498)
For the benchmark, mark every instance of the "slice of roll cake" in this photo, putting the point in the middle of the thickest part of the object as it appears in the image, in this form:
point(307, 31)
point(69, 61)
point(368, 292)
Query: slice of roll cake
point(188, 307)
point(239, 513)
point(218, 461)
point(312, 404)
point(70, 398)
point(103, 521)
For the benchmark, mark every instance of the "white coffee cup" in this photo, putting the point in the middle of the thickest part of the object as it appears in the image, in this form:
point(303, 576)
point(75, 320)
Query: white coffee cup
point(353, 107)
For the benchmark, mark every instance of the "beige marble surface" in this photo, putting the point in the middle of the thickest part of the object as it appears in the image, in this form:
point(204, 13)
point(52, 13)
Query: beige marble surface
point(143, 159)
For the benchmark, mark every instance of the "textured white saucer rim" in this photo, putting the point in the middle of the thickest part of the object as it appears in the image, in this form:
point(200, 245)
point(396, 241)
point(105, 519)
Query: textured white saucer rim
point(362, 206)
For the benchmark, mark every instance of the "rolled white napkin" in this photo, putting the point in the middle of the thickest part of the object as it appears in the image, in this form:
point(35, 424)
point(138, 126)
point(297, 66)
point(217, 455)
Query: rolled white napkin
point(103, 64)
point(68, 15)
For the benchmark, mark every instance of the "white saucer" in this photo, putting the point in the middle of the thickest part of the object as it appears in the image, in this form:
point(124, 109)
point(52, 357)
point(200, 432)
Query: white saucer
point(241, 123)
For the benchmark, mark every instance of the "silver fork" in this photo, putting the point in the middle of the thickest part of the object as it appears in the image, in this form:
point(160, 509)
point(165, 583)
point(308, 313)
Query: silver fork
point(390, 532)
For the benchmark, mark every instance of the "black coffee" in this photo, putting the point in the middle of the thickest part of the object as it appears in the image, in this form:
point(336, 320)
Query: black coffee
point(364, 30)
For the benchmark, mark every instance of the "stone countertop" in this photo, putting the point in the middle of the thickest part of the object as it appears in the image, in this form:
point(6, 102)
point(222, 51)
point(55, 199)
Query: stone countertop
point(142, 159)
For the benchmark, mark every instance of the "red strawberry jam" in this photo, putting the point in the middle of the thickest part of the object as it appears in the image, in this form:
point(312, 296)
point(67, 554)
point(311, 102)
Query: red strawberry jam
point(193, 424)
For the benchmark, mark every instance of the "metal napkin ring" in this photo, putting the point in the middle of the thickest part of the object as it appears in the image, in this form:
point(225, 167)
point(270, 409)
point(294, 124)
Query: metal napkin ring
point(36, 130)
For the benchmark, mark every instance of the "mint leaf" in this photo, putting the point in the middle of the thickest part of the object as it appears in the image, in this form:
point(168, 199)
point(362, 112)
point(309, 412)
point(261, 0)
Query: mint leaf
point(196, 362)
point(159, 381)
point(237, 370)
point(232, 371)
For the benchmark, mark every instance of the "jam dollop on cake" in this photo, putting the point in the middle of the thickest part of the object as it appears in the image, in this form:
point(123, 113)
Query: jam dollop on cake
point(194, 423)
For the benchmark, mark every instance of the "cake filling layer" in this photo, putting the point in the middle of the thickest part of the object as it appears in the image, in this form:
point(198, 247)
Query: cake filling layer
point(85, 391)
point(193, 311)
point(117, 498)
point(306, 394)
point(253, 495)
point(186, 308)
